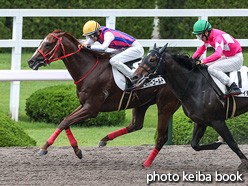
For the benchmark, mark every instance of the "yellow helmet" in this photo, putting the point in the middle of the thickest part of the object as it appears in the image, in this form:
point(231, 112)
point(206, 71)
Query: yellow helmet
point(90, 27)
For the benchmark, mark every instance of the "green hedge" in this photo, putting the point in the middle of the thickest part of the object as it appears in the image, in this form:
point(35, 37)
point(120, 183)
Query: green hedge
point(13, 135)
point(39, 27)
point(181, 27)
point(182, 132)
point(141, 28)
point(53, 104)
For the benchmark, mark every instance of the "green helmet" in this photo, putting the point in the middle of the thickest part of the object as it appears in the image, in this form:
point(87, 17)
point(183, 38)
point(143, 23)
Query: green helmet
point(201, 26)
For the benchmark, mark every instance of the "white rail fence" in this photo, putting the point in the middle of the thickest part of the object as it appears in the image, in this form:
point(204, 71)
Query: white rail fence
point(15, 75)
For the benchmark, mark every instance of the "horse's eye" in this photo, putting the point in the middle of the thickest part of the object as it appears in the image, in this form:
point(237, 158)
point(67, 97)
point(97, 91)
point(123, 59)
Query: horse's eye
point(152, 60)
point(48, 45)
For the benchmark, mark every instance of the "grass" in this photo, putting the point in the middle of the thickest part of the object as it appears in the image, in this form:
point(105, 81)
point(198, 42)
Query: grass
point(85, 136)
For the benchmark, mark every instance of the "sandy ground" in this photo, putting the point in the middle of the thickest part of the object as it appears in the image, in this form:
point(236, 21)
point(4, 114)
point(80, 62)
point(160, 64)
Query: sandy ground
point(119, 166)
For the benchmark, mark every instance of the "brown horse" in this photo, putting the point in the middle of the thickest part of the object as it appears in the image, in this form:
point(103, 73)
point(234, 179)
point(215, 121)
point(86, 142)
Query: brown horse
point(97, 91)
point(202, 101)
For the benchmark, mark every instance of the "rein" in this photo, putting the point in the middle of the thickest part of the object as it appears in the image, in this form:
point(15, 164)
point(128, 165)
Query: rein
point(76, 82)
point(219, 95)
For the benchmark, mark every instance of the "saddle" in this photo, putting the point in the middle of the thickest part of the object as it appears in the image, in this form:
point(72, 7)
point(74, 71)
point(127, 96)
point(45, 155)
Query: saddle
point(124, 83)
point(240, 77)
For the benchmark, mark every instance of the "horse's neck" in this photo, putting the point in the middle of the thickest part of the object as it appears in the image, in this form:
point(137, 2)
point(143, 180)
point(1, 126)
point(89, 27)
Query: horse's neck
point(85, 64)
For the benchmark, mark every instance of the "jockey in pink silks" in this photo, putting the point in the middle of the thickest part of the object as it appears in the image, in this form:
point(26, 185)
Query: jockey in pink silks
point(126, 48)
point(223, 43)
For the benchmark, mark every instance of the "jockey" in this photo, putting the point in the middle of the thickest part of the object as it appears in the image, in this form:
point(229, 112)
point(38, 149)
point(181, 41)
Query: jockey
point(225, 44)
point(126, 47)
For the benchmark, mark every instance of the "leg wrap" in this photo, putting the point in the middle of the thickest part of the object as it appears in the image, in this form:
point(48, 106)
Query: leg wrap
point(150, 158)
point(71, 138)
point(117, 133)
point(51, 140)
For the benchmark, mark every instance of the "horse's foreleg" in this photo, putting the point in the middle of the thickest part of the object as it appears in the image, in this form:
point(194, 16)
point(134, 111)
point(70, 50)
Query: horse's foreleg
point(224, 132)
point(73, 143)
point(198, 133)
point(136, 124)
point(50, 141)
point(166, 107)
point(163, 125)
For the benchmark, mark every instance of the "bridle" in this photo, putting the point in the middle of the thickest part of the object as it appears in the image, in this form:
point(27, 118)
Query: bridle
point(54, 50)
point(154, 70)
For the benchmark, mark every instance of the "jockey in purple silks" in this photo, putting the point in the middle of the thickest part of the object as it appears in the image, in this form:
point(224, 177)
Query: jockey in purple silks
point(126, 48)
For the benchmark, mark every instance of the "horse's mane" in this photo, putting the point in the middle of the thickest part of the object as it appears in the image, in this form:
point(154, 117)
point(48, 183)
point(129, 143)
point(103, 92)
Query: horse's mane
point(184, 60)
point(74, 40)
point(98, 54)
point(68, 35)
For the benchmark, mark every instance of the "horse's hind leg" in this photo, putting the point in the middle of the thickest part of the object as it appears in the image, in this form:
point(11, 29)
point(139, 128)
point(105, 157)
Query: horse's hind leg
point(136, 124)
point(222, 129)
point(198, 132)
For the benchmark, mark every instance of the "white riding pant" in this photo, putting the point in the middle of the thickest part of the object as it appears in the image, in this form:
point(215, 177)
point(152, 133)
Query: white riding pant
point(225, 64)
point(133, 52)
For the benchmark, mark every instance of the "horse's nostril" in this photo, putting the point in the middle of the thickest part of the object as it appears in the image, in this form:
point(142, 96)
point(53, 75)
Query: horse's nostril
point(30, 61)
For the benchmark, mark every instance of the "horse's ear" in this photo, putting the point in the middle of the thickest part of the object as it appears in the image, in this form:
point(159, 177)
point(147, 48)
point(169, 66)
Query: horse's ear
point(57, 31)
point(155, 46)
point(161, 50)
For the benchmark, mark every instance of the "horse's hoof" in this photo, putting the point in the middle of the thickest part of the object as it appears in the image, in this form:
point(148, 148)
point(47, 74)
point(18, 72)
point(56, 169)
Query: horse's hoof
point(146, 164)
point(80, 154)
point(42, 152)
point(102, 144)
point(243, 167)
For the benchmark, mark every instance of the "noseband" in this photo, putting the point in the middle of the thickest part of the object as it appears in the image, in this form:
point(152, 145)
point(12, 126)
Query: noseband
point(54, 50)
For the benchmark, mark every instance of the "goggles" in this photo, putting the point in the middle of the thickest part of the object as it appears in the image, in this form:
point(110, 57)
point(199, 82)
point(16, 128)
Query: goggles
point(92, 36)
point(199, 36)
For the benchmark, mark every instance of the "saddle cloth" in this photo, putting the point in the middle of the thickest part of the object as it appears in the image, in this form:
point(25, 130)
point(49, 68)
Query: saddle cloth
point(240, 77)
point(120, 79)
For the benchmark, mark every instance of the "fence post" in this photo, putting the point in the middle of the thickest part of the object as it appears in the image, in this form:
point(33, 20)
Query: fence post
point(16, 65)
point(110, 21)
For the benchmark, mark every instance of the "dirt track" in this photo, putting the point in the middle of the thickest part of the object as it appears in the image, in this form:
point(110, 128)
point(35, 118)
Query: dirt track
point(114, 165)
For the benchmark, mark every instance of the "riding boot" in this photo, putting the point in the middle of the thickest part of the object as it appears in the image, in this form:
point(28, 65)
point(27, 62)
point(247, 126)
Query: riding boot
point(233, 90)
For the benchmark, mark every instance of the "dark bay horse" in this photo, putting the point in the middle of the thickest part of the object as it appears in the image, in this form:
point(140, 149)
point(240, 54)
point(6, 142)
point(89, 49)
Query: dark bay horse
point(97, 91)
point(201, 100)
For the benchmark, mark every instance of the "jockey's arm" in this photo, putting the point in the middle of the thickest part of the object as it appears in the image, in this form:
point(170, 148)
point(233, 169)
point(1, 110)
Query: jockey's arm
point(87, 42)
point(200, 51)
point(108, 38)
point(217, 54)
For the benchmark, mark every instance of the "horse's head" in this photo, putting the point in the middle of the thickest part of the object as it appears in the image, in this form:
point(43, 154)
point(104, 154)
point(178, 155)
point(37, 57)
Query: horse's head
point(48, 49)
point(51, 49)
point(152, 64)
